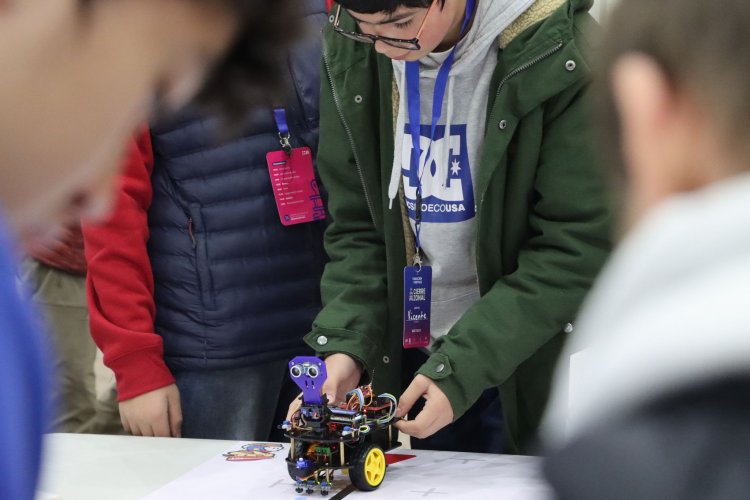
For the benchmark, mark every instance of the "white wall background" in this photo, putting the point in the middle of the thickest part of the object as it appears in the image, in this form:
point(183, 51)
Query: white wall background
point(601, 7)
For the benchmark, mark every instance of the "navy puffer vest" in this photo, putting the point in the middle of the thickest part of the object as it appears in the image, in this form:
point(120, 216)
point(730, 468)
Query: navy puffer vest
point(233, 286)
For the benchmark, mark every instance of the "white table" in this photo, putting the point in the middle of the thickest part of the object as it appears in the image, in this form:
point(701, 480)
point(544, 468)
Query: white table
point(82, 467)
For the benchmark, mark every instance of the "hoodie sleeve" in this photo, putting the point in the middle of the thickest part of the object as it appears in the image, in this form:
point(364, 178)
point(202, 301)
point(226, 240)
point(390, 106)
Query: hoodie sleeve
point(120, 285)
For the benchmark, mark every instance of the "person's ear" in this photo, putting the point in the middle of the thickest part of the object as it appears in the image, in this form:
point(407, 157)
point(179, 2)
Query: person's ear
point(651, 130)
point(645, 103)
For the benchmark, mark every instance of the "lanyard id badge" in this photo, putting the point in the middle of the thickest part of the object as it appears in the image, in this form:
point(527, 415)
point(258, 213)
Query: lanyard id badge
point(418, 277)
point(293, 181)
point(417, 300)
point(417, 293)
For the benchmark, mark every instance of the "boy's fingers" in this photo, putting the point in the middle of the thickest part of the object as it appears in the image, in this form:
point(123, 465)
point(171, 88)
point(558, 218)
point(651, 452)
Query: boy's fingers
point(331, 397)
point(330, 390)
point(174, 415)
point(125, 424)
point(412, 393)
point(426, 423)
point(294, 406)
point(159, 428)
point(135, 429)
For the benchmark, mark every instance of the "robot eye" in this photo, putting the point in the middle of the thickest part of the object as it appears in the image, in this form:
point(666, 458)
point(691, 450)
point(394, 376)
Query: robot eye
point(296, 371)
point(313, 371)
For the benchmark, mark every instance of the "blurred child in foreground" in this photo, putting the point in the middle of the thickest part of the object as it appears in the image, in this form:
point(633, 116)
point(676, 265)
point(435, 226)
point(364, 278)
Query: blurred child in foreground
point(78, 76)
point(656, 397)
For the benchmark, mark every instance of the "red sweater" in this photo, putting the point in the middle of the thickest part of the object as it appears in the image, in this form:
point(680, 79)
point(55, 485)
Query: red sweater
point(120, 285)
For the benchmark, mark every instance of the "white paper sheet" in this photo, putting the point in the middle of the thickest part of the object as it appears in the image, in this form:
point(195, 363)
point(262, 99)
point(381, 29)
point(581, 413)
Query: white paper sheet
point(430, 475)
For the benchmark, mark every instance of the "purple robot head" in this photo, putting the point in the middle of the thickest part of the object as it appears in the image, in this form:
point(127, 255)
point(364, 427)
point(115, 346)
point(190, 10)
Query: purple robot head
point(309, 373)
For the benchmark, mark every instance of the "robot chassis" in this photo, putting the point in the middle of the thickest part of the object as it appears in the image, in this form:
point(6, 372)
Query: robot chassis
point(352, 436)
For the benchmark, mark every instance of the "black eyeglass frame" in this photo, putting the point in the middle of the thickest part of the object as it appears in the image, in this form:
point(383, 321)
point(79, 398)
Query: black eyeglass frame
point(399, 43)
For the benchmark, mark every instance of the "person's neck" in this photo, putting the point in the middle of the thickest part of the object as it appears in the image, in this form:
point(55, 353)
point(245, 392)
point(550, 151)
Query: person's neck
point(454, 33)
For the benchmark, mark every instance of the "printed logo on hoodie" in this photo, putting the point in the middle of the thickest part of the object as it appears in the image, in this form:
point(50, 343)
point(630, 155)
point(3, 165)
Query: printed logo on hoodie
point(447, 189)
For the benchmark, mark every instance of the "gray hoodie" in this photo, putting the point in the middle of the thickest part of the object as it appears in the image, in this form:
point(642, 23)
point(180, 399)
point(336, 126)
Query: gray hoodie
point(448, 231)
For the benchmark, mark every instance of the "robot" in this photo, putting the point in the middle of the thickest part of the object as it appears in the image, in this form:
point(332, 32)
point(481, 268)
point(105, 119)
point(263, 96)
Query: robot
point(352, 436)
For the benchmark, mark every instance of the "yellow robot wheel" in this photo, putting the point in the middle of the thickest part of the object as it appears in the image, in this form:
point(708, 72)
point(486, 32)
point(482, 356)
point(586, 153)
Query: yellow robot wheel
point(368, 467)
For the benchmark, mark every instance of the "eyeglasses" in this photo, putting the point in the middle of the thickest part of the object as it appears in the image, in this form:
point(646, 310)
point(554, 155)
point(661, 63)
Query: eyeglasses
point(408, 44)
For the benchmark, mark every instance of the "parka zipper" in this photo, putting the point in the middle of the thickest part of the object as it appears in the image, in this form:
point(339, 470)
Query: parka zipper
point(520, 69)
point(350, 137)
point(528, 65)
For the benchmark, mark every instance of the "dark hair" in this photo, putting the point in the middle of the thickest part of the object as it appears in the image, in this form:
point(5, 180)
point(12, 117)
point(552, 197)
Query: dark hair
point(702, 48)
point(250, 73)
point(387, 6)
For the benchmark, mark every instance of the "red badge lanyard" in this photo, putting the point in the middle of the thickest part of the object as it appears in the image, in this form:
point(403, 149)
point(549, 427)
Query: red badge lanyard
point(293, 181)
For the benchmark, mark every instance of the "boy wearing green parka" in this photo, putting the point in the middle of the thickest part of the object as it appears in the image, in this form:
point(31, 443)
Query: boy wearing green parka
point(454, 146)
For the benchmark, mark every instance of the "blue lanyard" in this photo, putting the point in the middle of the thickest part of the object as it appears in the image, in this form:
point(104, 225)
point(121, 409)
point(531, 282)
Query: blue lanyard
point(412, 87)
point(279, 114)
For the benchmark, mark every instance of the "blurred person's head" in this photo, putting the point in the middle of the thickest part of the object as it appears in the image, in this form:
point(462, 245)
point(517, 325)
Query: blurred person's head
point(436, 23)
point(79, 76)
point(677, 96)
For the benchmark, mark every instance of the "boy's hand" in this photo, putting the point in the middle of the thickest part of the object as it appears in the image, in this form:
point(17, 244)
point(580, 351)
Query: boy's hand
point(436, 414)
point(344, 374)
point(294, 406)
point(156, 413)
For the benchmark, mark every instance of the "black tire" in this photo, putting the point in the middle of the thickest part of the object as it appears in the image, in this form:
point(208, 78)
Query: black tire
point(367, 467)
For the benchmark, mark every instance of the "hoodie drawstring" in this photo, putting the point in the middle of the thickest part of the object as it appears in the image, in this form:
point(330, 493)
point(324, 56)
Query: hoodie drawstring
point(445, 162)
point(399, 143)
